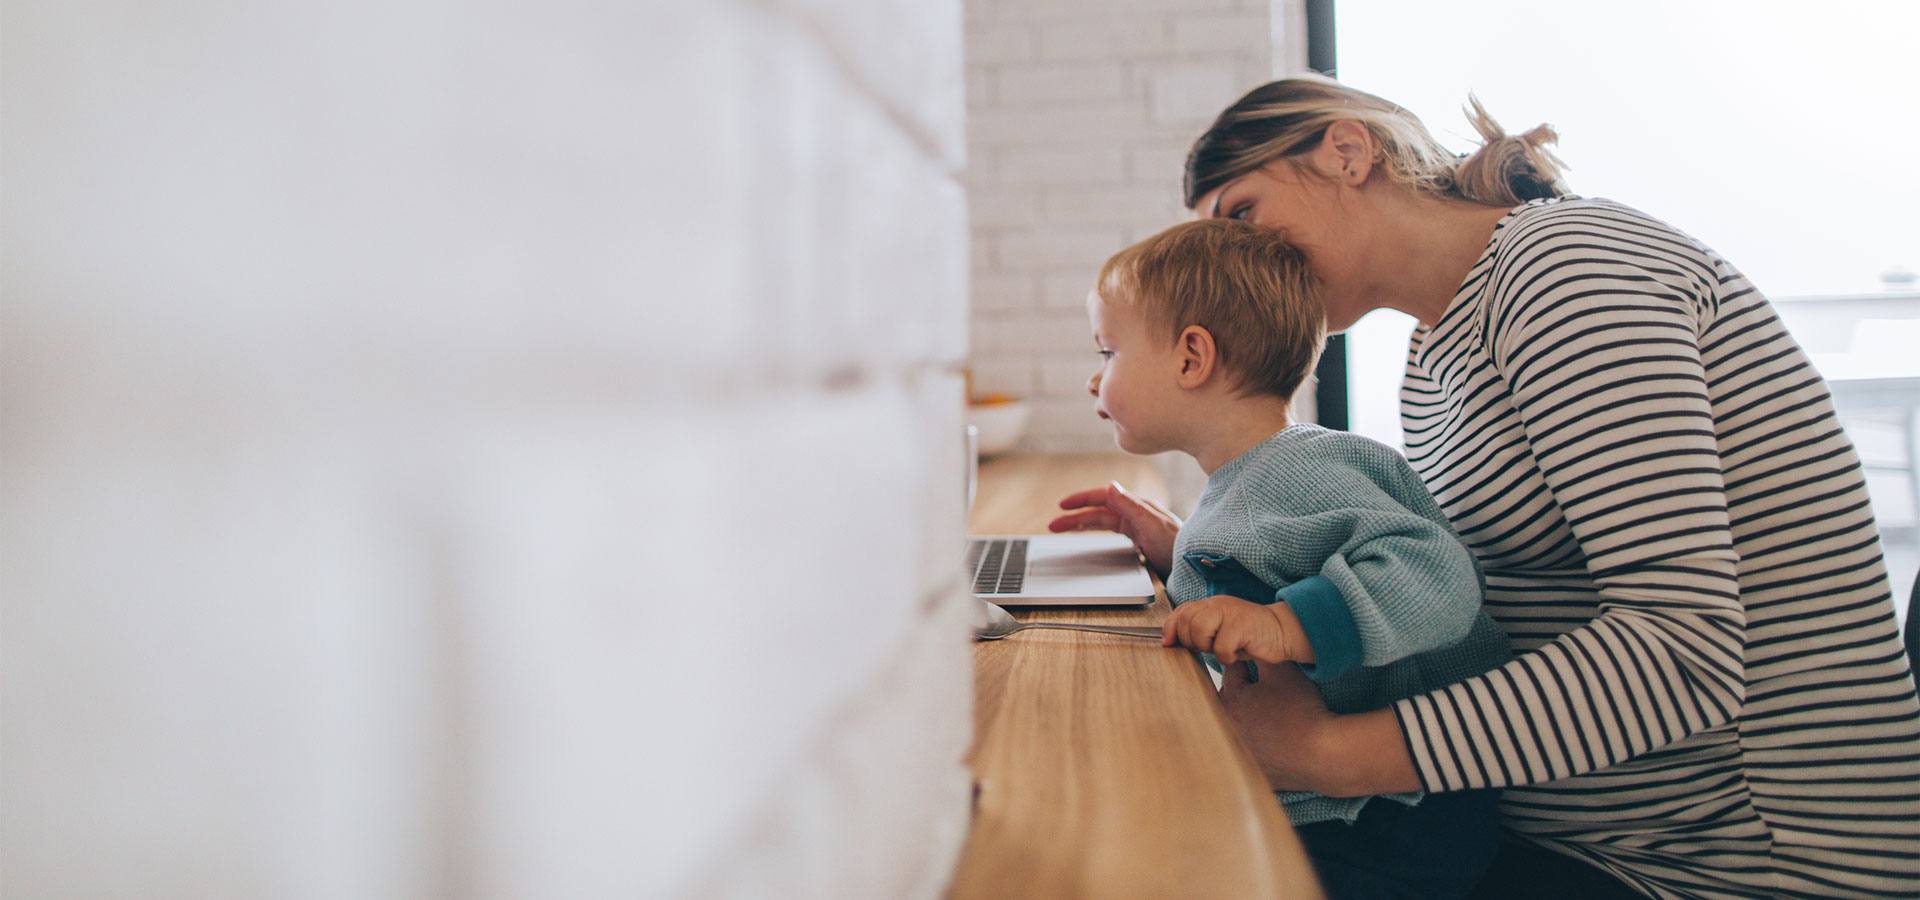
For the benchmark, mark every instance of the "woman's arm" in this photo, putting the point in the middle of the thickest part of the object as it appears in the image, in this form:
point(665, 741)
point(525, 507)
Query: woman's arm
point(1300, 746)
point(1601, 357)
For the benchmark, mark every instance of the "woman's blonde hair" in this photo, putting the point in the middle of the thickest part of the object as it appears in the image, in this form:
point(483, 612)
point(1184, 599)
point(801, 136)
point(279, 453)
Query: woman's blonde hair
point(1244, 284)
point(1283, 119)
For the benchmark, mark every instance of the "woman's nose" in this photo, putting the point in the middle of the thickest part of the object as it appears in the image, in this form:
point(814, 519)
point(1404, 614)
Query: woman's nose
point(1093, 384)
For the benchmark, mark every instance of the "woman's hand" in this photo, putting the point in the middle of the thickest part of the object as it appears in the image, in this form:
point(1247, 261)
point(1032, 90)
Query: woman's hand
point(1149, 525)
point(1278, 718)
point(1300, 745)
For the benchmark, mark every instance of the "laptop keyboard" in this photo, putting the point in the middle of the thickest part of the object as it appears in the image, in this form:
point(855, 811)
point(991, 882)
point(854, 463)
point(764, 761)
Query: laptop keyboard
point(999, 565)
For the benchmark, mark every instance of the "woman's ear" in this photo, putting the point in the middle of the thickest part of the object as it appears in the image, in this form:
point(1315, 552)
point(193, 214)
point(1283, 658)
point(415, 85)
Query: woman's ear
point(1346, 153)
point(1199, 359)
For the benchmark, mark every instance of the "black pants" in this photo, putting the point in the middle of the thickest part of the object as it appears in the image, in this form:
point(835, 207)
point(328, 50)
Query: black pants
point(1436, 849)
point(1524, 870)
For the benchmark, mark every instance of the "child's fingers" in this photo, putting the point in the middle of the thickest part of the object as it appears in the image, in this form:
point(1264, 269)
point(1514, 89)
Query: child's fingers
point(1098, 518)
point(1199, 630)
point(1119, 497)
point(1205, 627)
point(1222, 648)
point(1183, 627)
point(1089, 497)
point(1229, 642)
point(1181, 624)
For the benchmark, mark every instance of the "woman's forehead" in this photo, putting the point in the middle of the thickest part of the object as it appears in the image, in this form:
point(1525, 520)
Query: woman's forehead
point(1208, 206)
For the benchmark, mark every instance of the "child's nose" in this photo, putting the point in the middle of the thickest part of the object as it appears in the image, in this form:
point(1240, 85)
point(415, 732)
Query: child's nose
point(1093, 384)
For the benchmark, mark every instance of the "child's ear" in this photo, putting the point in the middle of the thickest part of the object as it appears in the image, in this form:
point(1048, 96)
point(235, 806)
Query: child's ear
point(1197, 355)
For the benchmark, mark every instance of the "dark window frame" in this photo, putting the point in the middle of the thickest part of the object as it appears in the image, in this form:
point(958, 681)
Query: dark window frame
point(1331, 405)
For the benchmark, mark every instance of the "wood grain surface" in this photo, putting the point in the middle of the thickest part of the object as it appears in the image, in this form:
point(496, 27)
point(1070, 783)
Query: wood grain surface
point(1104, 766)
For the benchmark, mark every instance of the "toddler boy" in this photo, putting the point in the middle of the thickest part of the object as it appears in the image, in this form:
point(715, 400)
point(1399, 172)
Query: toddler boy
point(1310, 546)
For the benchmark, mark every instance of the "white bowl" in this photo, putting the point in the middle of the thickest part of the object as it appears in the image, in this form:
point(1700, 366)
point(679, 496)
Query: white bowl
point(1000, 425)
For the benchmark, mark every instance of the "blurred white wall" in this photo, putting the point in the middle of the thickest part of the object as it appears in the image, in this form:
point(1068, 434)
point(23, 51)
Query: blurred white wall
point(502, 449)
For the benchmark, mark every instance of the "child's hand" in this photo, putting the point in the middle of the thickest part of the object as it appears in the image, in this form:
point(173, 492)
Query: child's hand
point(1150, 526)
point(1233, 629)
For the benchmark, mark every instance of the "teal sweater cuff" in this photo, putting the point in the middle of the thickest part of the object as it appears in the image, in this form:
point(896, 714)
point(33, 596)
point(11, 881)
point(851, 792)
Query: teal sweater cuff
point(1329, 626)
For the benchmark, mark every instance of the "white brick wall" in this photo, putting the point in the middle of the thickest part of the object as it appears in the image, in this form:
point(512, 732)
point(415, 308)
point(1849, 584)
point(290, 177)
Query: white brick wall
point(423, 433)
point(1080, 122)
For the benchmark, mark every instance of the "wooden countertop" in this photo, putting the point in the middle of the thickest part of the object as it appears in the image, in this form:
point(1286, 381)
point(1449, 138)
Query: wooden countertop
point(1104, 766)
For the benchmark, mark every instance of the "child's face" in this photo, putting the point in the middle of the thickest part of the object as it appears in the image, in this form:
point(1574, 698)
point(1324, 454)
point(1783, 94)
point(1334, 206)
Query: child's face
point(1135, 387)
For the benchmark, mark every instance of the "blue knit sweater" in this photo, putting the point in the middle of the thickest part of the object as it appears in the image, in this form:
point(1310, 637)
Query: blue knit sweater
point(1340, 528)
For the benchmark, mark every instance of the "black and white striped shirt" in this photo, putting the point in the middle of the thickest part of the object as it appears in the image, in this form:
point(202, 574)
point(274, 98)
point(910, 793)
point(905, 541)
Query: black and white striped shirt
point(1711, 697)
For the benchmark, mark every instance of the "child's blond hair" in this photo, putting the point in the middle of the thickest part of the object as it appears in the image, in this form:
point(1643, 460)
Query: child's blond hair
point(1244, 284)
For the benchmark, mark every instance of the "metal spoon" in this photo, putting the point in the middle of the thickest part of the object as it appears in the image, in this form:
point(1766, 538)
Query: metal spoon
point(1001, 623)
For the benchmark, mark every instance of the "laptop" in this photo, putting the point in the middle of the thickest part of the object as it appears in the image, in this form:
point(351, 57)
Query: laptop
point(1073, 569)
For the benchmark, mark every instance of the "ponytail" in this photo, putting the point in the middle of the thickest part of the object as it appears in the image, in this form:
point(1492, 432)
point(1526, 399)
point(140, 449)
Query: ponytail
point(1507, 170)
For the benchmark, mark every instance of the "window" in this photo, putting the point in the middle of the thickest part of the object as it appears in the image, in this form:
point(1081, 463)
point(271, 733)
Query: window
point(1781, 135)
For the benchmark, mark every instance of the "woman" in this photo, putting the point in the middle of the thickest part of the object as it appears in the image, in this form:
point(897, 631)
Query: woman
point(1709, 695)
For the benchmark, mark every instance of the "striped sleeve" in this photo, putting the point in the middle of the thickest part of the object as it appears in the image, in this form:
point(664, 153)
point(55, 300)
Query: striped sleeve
point(1599, 350)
